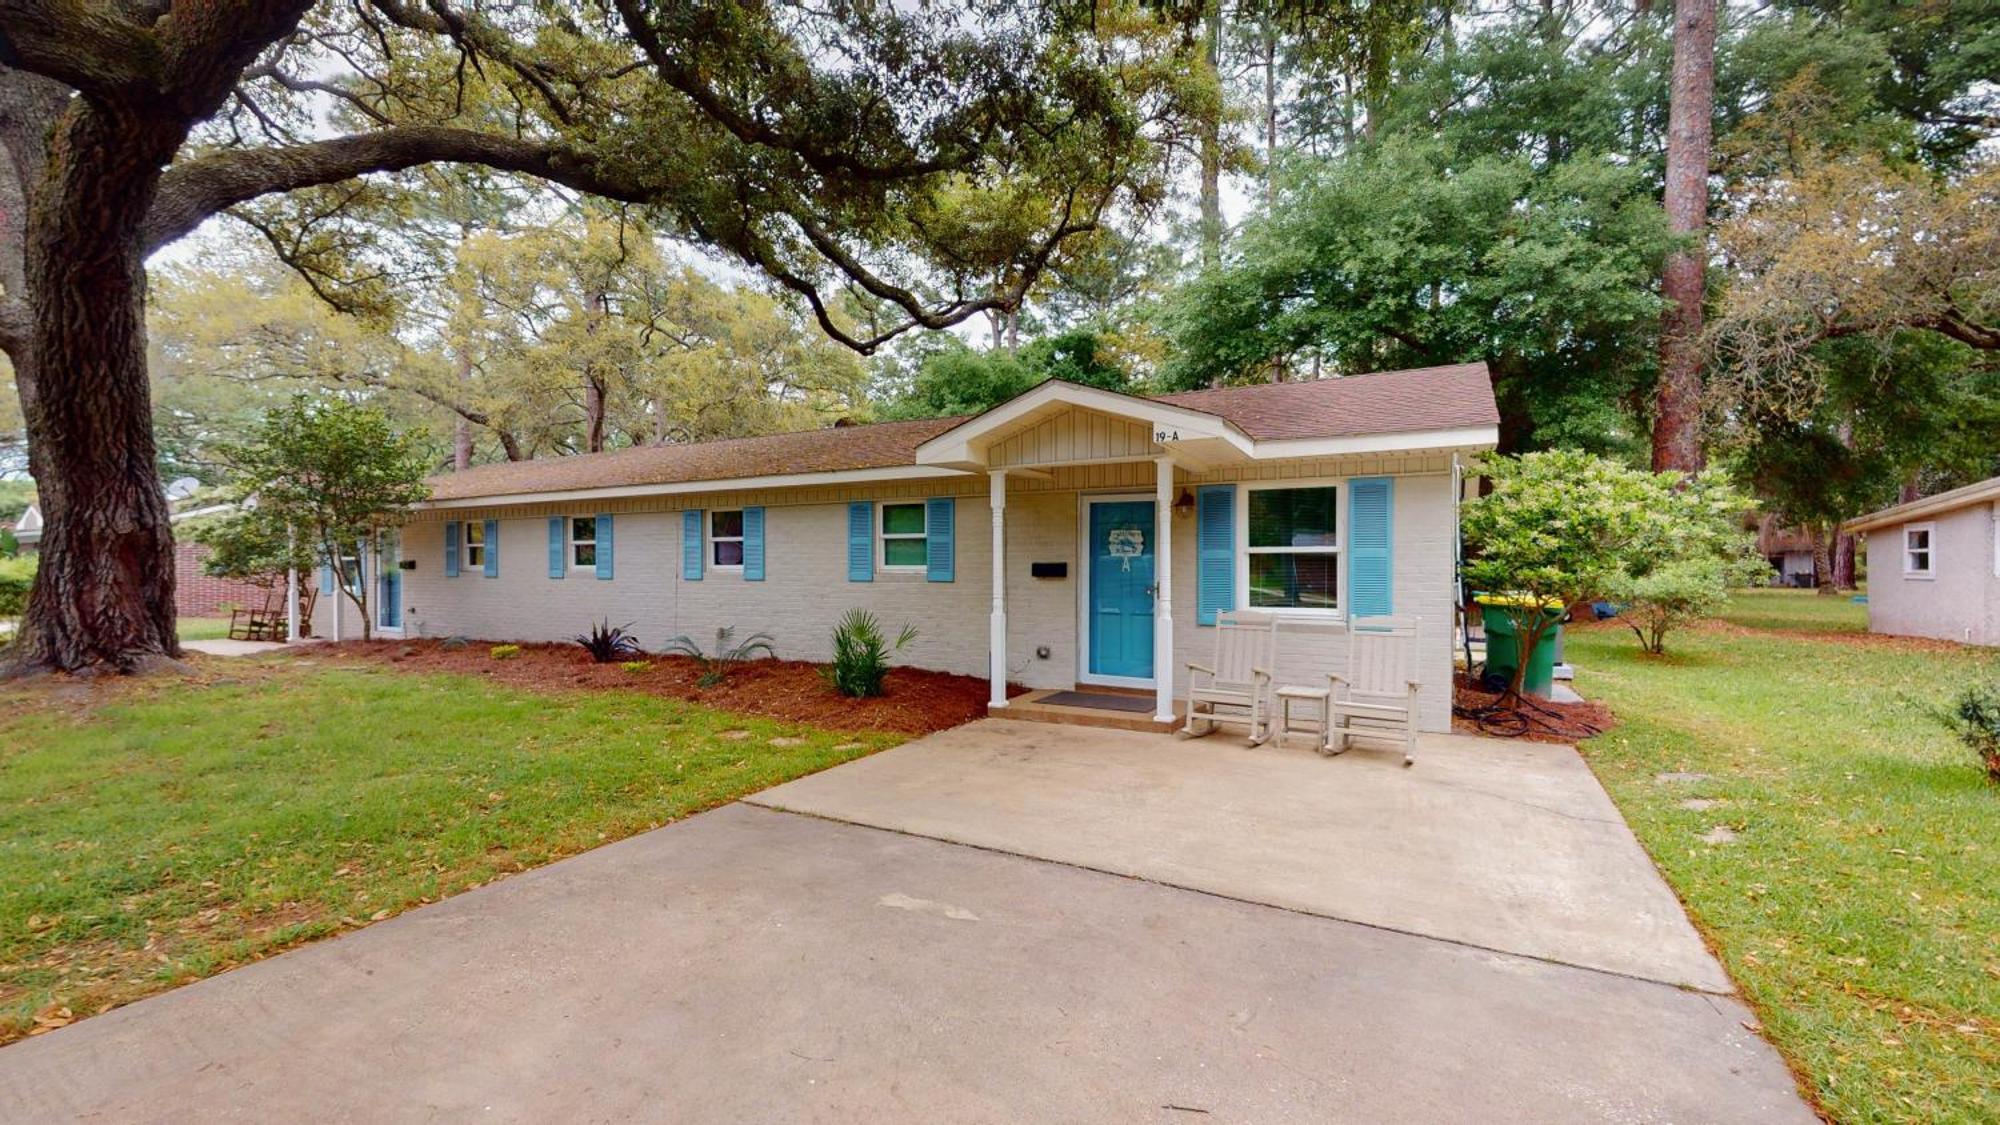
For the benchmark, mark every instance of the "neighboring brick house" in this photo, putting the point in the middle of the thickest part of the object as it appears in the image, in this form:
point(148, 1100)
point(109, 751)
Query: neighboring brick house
point(1070, 536)
point(200, 594)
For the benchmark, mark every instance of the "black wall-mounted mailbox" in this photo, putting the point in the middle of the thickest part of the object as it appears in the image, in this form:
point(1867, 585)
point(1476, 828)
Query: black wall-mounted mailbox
point(406, 564)
point(1049, 570)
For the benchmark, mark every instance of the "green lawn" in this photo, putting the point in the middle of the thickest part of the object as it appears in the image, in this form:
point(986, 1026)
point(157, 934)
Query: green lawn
point(156, 832)
point(202, 628)
point(1859, 904)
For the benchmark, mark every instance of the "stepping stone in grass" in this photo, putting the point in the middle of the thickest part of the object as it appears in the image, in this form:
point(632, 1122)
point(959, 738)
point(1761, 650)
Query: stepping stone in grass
point(1720, 834)
point(1700, 803)
point(733, 735)
point(1677, 775)
point(846, 746)
point(787, 740)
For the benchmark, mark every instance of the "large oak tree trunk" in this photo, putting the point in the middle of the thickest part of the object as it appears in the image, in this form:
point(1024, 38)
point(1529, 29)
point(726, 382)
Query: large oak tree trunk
point(103, 599)
point(1677, 407)
point(1211, 145)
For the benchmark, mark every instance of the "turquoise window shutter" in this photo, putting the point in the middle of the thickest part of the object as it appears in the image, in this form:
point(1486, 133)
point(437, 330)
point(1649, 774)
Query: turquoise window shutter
point(1370, 546)
point(558, 545)
point(450, 549)
point(861, 541)
point(604, 530)
point(691, 545)
point(938, 513)
point(492, 548)
point(325, 578)
point(753, 544)
point(1215, 551)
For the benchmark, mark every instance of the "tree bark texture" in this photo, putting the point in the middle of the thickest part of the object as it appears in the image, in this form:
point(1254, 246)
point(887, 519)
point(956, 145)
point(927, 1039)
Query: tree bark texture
point(1211, 146)
point(1843, 561)
point(1677, 408)
point(104, 595)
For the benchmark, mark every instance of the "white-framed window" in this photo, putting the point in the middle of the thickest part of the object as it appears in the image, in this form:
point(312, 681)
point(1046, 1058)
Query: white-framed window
point(1290, 538)
point(725, 539)
point(350, 569)
point(475, 545)
point(1919, 550)
point(583, 542)
point(903, 535)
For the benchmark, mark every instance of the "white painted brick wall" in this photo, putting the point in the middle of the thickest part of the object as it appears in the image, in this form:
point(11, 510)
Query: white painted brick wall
point(806, 587)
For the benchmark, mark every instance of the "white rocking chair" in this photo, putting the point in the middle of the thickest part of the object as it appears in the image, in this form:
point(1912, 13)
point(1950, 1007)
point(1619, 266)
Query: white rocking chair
point(1232, 690)
point(1377, 698)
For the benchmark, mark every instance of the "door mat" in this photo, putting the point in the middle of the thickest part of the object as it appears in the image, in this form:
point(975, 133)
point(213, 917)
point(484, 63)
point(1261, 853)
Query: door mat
point(1101, 701)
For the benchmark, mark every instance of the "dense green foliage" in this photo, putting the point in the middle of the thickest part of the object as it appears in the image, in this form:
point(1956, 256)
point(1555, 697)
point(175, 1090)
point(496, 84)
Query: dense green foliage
point(17, 577)
point(1563, 527)
point(15, 496)
point(316, 482)
point(1411, 254)
point(952, 378)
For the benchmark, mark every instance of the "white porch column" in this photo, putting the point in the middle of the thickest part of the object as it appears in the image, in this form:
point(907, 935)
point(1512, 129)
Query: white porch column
point(996, 641)
point(291, 591)
point(1163, 601)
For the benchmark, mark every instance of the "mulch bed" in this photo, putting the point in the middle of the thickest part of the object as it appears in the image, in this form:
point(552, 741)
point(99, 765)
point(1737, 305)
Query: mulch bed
point(1546, 721)
point(914, 701)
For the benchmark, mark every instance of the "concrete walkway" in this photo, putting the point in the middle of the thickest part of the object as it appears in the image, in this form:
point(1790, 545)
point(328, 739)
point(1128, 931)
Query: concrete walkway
point(222, 646)
point(750, 965)
point(1507, 846)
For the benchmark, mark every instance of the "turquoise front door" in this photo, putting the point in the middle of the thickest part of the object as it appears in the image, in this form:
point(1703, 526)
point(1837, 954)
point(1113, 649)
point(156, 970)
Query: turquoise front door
point(1121, 589)
point(388, 582)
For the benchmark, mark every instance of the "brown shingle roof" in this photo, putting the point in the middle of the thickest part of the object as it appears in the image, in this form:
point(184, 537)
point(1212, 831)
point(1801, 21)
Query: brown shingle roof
point(808, 451)
point(1429, 398)
point(1387, 402)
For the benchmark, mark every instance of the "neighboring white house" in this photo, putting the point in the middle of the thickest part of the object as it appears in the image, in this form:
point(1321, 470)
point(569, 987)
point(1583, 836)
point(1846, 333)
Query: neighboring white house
point(1068, 536)
point(1934, 565)
point(28, 530)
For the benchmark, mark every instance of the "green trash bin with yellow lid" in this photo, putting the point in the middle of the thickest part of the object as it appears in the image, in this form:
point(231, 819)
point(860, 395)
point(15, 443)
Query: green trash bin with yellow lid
point(1503, 616)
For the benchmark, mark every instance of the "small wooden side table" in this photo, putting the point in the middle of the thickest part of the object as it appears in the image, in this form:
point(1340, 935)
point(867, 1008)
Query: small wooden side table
point(1314, 724)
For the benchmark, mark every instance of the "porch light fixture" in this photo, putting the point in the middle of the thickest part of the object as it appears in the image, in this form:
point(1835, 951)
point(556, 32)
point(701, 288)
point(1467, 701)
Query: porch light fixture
point(1184, 504)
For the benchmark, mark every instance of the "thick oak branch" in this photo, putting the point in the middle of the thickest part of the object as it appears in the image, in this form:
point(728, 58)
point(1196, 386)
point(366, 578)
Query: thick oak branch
point(195, 189)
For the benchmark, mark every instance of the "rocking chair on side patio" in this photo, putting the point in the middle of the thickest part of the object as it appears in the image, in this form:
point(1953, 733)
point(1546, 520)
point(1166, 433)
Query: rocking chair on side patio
point(1232, 691)
point(264, 623)
point(1377, 698)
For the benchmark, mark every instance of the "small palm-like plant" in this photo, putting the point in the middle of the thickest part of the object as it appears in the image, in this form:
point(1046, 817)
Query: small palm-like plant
point(728, 653)
point(1975, 718)
point(861, 654)
point(607, 642)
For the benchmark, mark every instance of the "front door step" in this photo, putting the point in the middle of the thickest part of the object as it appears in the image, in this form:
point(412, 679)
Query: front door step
point(1077, 709)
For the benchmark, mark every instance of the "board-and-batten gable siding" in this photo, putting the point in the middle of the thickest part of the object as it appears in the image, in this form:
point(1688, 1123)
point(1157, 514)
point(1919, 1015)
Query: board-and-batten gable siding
point(1074, 435)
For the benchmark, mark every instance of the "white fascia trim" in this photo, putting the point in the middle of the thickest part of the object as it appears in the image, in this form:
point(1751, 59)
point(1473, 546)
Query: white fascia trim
point(891, 474)
point(953, 445)
point(1408, 441)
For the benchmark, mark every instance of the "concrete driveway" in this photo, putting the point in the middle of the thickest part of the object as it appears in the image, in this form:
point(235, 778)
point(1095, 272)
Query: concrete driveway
point(1508, 846)
point(756, 965)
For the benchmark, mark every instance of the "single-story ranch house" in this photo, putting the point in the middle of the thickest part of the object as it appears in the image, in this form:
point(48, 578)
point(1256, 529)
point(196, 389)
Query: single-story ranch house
point(1069, 536)
point(1934, 565)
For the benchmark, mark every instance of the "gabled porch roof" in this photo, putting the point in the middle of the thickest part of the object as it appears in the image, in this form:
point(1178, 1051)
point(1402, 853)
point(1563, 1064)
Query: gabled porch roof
point(1075, 424)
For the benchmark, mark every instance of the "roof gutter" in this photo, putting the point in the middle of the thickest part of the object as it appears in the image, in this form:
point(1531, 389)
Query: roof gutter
point(1928, 506)
point(890, 474)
